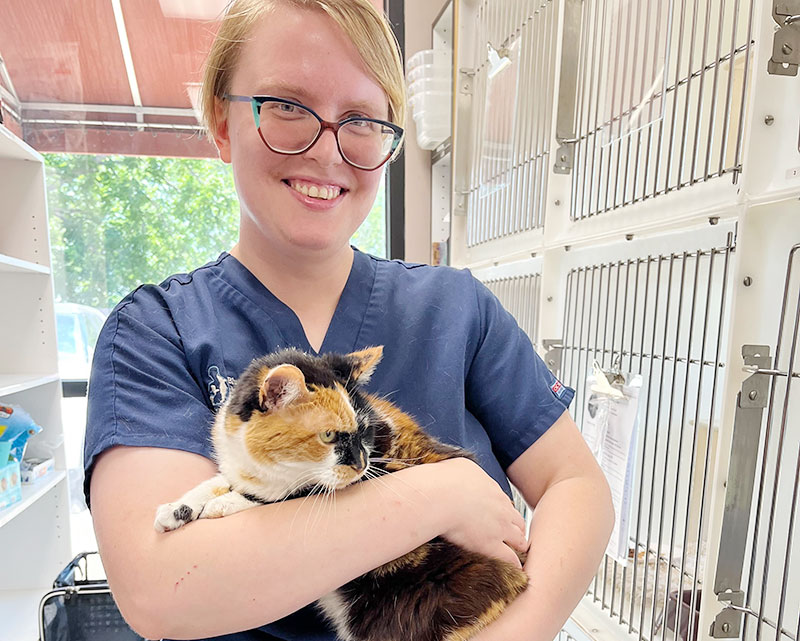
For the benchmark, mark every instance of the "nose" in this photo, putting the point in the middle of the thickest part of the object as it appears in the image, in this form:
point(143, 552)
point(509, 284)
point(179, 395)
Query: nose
point(358, 460)
point(326, 150)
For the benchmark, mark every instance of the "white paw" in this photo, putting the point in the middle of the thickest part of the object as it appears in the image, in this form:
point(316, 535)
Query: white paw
point(221, 506)
point(170, 516)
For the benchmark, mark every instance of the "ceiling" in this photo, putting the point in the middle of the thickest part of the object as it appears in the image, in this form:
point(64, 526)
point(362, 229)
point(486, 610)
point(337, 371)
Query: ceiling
point(106, 76)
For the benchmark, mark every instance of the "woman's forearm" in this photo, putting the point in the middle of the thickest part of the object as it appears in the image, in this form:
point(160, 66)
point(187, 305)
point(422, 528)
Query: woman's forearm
point(216, 576)
point(569, 532)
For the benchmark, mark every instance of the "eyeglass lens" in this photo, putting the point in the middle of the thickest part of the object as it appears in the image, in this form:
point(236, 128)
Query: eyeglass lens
point(288, 128)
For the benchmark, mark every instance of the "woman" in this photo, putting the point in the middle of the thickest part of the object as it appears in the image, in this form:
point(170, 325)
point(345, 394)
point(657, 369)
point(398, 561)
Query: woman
point(453, 358)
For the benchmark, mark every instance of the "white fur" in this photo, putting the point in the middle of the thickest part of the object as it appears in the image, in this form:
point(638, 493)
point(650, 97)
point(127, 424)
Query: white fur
point(333, 608)
point(272, 482)
point(275, 481)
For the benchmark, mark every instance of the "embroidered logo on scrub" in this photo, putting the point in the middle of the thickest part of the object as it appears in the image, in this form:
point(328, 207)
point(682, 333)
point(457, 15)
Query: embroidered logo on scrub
point(558, 389)
point(219, 386)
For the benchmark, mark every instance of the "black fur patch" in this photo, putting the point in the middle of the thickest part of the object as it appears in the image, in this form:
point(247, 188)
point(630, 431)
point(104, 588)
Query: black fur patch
point(183, 513)
point(323, 371)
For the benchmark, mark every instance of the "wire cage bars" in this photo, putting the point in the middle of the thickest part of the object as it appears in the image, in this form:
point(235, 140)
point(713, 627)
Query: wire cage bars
point(772, 594)
point(511, 117)
point(663, 316)
point(660, 98)
point(520, 296)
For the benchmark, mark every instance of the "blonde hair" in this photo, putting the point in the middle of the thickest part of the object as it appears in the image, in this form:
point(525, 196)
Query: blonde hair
point(369, 31)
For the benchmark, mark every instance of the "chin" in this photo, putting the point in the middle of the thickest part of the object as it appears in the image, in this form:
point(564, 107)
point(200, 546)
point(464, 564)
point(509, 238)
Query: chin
point(319, 245)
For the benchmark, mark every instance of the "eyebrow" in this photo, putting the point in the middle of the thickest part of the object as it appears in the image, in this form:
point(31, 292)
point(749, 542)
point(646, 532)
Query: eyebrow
point(301, 95)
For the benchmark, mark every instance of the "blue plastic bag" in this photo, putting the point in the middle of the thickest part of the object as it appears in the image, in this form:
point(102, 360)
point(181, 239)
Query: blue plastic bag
point(16, 427)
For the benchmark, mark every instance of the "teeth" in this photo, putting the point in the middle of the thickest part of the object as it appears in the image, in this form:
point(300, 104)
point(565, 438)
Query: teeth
point(313, 191)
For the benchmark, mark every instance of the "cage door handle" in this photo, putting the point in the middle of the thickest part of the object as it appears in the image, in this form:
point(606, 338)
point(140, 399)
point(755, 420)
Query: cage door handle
point(568, 87)
point(750, 403)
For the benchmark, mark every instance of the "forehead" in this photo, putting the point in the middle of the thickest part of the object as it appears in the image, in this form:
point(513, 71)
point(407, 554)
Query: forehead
point(305, 55)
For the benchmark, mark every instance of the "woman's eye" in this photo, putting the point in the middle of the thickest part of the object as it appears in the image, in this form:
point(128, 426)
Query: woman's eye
point(327, 436)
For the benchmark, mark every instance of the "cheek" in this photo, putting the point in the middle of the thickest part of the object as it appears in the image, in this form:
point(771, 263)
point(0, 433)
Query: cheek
point(369, 181)
point(274, 441)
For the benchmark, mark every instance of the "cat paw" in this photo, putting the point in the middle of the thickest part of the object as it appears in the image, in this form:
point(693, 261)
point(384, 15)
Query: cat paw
point(171, 516)
point(221, 506)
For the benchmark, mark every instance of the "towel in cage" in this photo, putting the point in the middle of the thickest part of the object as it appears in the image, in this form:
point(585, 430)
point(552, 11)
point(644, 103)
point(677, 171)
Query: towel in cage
point(81, 609)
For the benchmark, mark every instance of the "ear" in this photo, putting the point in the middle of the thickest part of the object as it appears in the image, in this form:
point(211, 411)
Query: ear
point(221, 131)
point(283, 385)
point(364, 363)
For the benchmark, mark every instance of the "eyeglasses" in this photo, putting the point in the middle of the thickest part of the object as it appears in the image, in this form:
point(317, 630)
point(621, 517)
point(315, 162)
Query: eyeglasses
point(287, 127)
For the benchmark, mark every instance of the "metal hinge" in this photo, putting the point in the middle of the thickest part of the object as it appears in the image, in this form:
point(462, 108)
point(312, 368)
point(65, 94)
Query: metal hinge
point(554, 348)
point(465, 81)
point(568, 88)
point(728, 623)
point(786, 42)
point(750, 404)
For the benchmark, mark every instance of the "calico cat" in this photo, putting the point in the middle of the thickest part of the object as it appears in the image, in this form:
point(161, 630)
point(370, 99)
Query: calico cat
point(296, 424)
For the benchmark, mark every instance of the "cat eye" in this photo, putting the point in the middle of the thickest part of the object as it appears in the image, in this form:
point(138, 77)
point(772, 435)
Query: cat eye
point(328, 436)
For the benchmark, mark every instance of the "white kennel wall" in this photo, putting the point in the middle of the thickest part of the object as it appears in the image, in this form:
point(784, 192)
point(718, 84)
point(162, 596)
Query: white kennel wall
point(626, 179)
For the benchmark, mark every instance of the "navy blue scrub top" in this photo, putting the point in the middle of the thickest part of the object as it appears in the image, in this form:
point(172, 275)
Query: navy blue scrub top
point(453, 358)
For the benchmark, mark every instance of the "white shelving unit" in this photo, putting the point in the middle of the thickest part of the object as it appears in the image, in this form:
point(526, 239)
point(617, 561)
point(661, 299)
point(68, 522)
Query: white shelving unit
point(34, 533)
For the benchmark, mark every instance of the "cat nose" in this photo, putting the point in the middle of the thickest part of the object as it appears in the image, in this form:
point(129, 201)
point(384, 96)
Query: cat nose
point(360, 462)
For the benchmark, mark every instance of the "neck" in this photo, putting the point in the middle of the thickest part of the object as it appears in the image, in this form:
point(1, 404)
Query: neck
point(297, 276)
point(309, 284)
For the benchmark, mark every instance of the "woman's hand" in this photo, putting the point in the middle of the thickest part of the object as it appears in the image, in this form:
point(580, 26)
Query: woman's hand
point(479, 515)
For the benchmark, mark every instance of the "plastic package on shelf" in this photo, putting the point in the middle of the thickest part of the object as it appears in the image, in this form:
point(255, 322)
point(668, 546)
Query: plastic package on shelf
point(436, 70)
point(430, 95)
point(16, 427)
point(425, 86)
point(10, 484)
point(431, 57)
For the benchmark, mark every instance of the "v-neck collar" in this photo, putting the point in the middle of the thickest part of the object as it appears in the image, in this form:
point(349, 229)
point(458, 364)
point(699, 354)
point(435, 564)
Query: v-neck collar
point(348, 317)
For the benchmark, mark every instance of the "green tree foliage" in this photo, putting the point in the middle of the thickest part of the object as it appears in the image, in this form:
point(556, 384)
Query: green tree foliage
point(119, 221)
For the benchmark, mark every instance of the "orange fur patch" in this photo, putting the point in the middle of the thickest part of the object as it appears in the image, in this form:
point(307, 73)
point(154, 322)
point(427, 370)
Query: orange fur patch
point(415, 557)
point(232, 424)
point(292, 432)
point(468, 631)
point(220, 490)
point(410, 443)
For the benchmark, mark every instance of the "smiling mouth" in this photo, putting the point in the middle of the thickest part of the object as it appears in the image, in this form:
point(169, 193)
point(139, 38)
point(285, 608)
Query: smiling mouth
point(320, 192)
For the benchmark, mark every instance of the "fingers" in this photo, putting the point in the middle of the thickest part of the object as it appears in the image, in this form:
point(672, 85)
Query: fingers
point(505, 553)
point(517, 540)
point(519, 521)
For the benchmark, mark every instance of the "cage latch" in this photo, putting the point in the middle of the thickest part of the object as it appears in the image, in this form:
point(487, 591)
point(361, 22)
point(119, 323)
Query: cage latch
point(750, 404)
point(727, 624)
point(466, 78)
point(568, 88)
point(554, 348)
point(786, 41)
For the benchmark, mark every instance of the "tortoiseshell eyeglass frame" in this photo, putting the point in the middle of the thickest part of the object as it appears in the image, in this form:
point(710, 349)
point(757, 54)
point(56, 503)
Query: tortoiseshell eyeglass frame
point(257, 101)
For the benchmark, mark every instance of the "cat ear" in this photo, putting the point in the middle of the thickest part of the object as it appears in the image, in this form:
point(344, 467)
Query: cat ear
point(364, 363)
point(283, 384)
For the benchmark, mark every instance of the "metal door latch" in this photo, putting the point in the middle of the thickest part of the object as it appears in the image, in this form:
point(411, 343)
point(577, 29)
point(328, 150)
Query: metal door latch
point(786, 42)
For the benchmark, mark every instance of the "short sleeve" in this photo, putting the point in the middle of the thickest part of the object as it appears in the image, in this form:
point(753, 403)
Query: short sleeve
point(509, 389)
point(141, 390)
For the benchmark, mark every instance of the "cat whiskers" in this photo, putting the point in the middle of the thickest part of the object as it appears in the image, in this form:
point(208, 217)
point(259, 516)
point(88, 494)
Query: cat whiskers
point(311, 493)
point(399, 461)
point(375, 475)
point(325, 495)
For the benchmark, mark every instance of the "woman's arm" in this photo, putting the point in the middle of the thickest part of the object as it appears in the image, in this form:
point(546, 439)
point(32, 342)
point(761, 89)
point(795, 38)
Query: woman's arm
point(216, 576)
point(572, 521)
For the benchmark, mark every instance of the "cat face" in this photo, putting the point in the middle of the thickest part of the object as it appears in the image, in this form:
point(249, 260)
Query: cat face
point(309, 425)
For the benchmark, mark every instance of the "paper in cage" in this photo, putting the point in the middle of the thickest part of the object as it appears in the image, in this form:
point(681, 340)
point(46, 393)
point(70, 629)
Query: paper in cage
point(610, 422)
